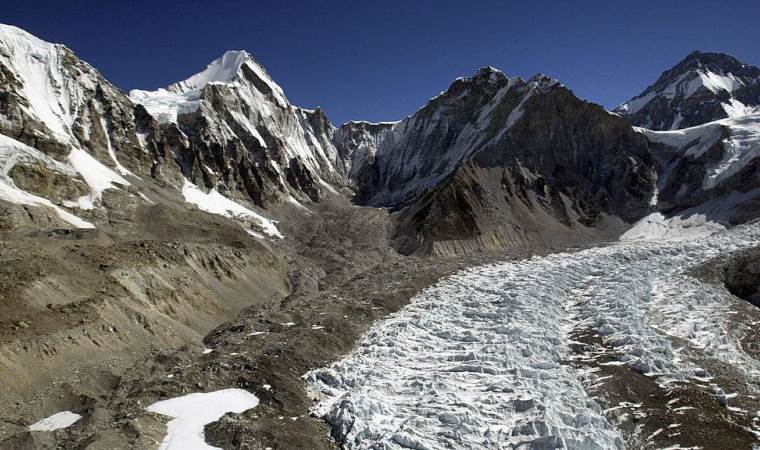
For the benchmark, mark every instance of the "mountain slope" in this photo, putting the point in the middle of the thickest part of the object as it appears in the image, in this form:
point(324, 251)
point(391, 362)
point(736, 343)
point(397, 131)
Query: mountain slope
point(701, 88)
point(497, 162)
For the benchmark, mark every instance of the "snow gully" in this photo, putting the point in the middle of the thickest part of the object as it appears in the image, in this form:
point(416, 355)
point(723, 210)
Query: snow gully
point(480, 359)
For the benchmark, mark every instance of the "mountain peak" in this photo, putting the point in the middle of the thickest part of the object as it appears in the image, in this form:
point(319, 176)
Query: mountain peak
point(221, 70)
point(702, 87)
point(487, 73)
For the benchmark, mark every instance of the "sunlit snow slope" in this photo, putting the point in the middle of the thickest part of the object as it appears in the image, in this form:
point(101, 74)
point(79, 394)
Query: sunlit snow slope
point(480, 360)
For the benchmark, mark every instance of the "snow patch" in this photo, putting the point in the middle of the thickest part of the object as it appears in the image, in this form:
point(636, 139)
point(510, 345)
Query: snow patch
point(719, 82)
point(635, 105)
point(192, 412)
point(735, 108)
point(656, 226)
point(63, 419)
point(10, 193)
point(215, 203)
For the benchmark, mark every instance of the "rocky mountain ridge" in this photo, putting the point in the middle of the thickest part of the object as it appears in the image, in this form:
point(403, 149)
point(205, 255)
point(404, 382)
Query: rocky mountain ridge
point(496, 162)
point(492, 162)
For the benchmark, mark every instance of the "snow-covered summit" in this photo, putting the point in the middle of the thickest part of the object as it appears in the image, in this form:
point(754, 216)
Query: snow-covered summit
point(183, 97)
point(701, 88)
point(234, 103)
point(16, 37)
point(221, 70)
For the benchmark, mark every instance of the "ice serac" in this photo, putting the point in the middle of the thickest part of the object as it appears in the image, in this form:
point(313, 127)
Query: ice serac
point(499, 162)
point(701, 88)
point(244, 134)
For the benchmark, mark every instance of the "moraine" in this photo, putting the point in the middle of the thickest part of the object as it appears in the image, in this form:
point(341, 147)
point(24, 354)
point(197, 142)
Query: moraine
point(487, 358)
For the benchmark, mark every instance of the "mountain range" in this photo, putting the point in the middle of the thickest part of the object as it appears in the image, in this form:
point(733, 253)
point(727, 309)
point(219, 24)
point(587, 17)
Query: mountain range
point(193, 202)
point(492, 162)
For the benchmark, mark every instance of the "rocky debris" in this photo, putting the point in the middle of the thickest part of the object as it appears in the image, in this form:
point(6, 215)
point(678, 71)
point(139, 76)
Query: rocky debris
point(355, 278)
point(80, 306)
point(702, 88)
point(739, 272)
point(742, 275)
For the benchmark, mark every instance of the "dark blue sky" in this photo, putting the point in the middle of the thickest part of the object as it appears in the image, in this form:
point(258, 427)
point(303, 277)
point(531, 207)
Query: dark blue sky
point(381, 60)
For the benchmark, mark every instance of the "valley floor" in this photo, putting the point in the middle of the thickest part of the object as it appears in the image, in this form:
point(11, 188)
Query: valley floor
point(341, 275)
point(612, 346)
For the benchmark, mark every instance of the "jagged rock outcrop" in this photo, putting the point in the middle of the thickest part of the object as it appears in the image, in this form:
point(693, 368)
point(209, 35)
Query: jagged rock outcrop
point(497, 162)
point(55, 102)
point(701, 88)
point(742, 275)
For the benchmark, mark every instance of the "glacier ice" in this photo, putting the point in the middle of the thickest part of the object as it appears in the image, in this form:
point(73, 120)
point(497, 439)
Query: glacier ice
point(479, 360)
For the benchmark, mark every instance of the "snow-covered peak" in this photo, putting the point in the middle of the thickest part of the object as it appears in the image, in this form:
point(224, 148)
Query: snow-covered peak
point(39, 67)
point(184, 96)
point(701, 88)
point(220, 70)
point(54, 101)
point(14, 37)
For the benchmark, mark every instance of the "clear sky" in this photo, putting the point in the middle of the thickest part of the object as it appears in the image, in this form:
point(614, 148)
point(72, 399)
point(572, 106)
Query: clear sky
point(381, 60)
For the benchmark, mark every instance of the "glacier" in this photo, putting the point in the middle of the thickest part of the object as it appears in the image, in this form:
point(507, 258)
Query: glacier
point(481, 359)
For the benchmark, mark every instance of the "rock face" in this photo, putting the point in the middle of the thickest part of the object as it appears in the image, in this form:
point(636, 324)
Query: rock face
point(742, 275)
point(66, 133)
point(496, 162)
point(702, 88)
point(359, 141)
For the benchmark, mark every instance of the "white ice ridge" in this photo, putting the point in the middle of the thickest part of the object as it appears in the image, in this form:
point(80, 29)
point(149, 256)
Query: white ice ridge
point(63, 419)
point(479, 360)
point(215, 203)
point(221, 70)
point(741, 144)
point(192, 412)
point(37, 64)
point(185, 96)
